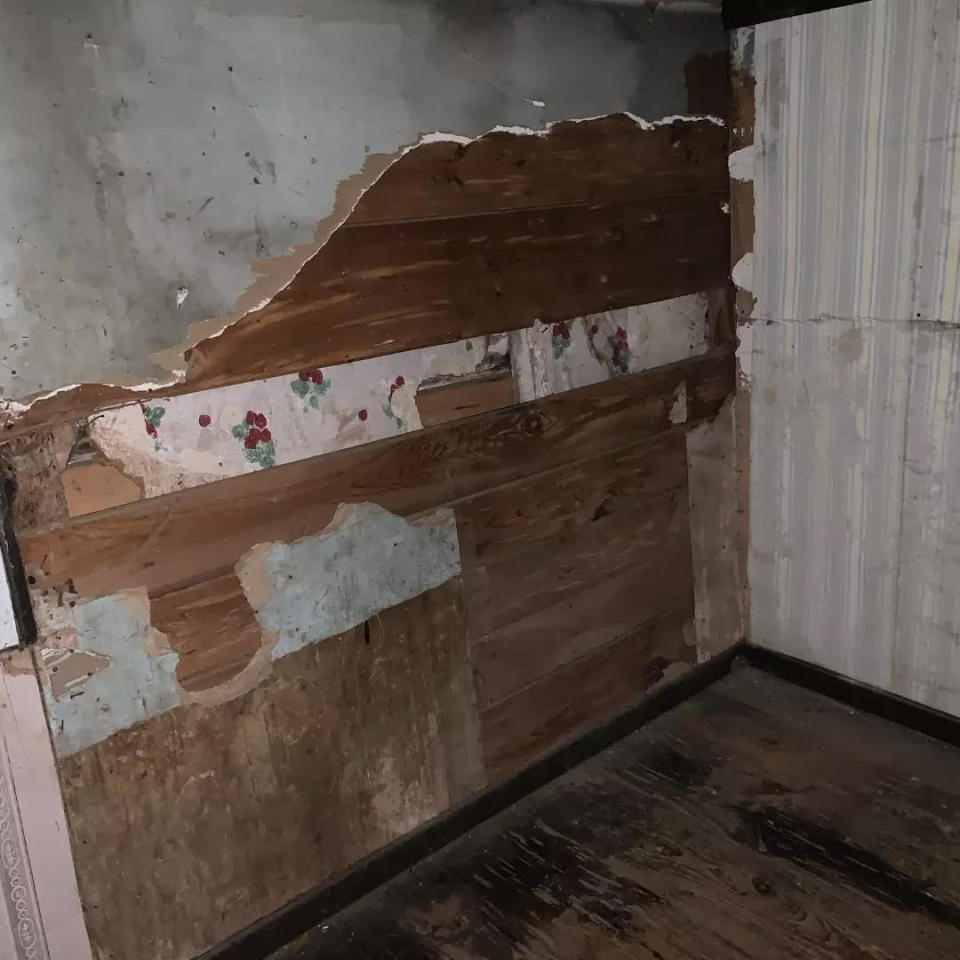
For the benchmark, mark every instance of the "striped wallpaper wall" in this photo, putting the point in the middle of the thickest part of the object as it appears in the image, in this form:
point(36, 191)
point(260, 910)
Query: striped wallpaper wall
point(855, 362)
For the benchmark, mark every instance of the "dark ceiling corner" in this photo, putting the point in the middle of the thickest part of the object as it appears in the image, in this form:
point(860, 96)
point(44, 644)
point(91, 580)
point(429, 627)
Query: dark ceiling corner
point(743, 13)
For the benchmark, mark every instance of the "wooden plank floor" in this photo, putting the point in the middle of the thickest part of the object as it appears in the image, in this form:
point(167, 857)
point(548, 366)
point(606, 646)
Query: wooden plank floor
point(756, 820)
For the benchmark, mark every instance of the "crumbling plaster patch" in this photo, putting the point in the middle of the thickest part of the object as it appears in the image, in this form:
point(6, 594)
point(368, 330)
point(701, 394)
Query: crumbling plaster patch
point(129, 672)
point(105, 668)
point(366, 560)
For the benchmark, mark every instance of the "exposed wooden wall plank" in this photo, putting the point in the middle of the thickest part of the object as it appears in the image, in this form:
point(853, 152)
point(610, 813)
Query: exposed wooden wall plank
point(523, 652)
point(172, 541)
point(499, 522)
point(459, 240)
point(211, 626)
point(379, 288)
point(609, 158)
point(571, 563)
point(465, 397)
point(542, 601)
point(538, 717)
point(220, 816)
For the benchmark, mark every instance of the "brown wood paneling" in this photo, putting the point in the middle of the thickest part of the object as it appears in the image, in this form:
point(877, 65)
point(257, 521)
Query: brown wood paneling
point(570, 563)
point(523, 652)
point(202, 820)
point(211, 626)
point(546, 598)
point(500, 522)
point(91, 487)
point(533, 720)
point(465, 397)
point(609, 158)
point(380, 288)
point(460, 240)
point(172, 541)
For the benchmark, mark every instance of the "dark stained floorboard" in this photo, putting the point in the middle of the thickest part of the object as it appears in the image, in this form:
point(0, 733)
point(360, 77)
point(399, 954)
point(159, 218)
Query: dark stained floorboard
point(756, 820)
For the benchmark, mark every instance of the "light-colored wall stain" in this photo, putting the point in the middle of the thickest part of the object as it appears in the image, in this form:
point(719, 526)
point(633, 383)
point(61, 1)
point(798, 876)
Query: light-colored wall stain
point(368, 559)
point(136, 683)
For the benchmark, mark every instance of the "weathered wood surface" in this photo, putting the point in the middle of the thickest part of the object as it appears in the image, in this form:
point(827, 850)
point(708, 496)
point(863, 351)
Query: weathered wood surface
point(457, 240)
point(756, 821)
point(211, 626)
point(194, 824)
point(380, 288)
point(175, 540)
point(587, 161)
point(465, 397)
point(578, 694)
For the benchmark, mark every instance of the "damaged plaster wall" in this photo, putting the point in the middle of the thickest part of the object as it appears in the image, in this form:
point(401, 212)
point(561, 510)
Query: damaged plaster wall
point(172, 443)
point(151, 153)
point(106, 668)
point(854, 366)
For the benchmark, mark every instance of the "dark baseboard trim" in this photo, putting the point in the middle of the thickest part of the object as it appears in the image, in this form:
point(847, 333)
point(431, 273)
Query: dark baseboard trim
point(745, 13)
point(906, 713)
point(304, 913)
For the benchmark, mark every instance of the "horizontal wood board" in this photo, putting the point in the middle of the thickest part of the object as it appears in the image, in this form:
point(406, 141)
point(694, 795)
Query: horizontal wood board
point(172, 541)
point(457, 240)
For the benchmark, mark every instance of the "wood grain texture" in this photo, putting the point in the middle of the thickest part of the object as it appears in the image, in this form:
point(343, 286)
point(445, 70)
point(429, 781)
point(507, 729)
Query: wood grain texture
point(456, 240)
point(91, 487)
point(218, 816)
point(498, 522)
point(465, 397)
point(517, 730)
point(757, 821)
point(211, 626)
point(563, 565)
point(172, 541)
point(570, 563)
point(375, 289)
point(582, 605)
point(589, 161)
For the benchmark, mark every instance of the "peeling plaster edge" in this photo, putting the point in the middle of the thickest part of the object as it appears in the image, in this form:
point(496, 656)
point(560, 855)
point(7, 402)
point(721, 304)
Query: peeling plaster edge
point(19, 407)
point(440, 136)
point(639, 121)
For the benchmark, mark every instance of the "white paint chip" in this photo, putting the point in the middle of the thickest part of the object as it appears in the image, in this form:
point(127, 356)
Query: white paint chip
point(743, 272)
point(182, 294)
point(741, 163)
point(678, 411)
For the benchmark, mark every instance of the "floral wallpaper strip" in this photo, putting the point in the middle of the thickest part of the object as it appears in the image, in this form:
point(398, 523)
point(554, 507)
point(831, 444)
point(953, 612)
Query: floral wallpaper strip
point(188, 440)
point(551, 358)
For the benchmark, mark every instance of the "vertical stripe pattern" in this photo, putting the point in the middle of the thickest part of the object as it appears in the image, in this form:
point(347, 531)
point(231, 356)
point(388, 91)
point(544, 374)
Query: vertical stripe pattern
point(855, 372)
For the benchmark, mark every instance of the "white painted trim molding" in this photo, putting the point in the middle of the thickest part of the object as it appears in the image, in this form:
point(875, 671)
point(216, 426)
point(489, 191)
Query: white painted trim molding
point(40, 913)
